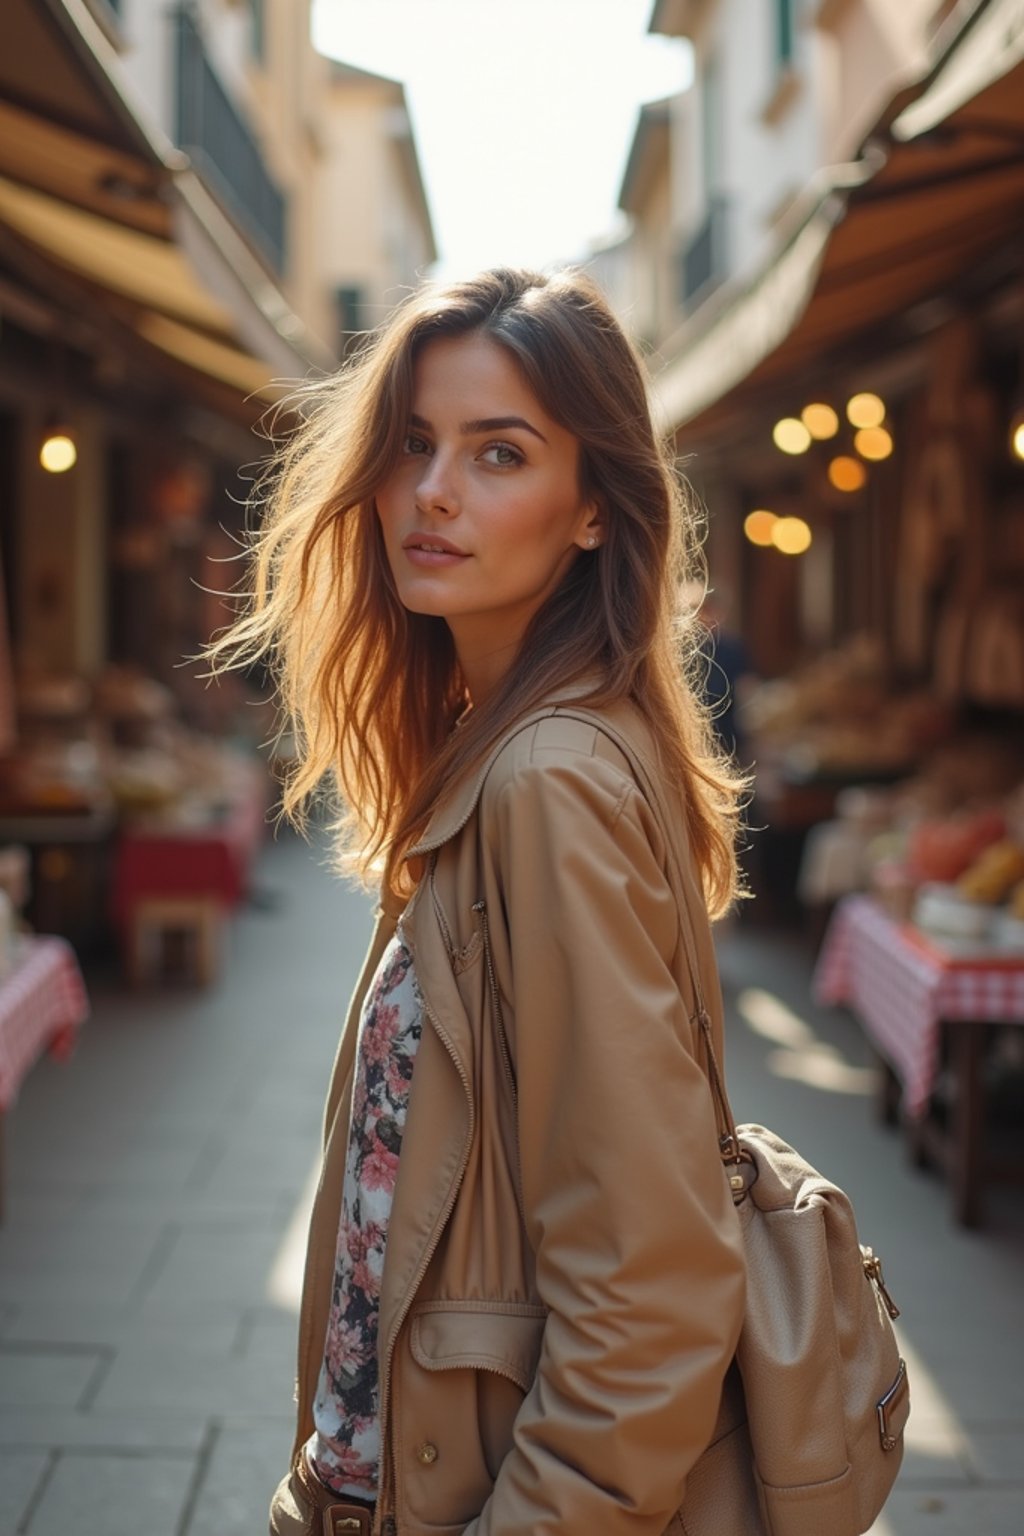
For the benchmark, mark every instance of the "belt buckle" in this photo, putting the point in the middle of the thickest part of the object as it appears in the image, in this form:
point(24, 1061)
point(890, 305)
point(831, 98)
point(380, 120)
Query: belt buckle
point(346, 1520)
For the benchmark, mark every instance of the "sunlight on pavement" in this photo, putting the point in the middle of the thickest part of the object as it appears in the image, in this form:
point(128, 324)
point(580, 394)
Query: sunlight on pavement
point(933, 1434)
point(284, 1283)
point(803, 1057)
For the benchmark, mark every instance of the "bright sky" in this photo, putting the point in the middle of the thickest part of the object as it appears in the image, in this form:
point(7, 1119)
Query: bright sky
point(523, 111)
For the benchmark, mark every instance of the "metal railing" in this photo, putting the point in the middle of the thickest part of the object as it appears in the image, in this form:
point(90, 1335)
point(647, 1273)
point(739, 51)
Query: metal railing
point(704, 259)
point(223, 149)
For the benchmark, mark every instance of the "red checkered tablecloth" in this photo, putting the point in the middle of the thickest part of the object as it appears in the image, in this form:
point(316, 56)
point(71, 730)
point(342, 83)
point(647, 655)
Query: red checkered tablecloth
point(43, 1004)
point(901, 985)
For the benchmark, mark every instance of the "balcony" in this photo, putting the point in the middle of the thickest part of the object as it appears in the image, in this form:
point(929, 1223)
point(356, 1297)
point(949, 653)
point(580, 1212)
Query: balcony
point(704, 258)
point(222, 148)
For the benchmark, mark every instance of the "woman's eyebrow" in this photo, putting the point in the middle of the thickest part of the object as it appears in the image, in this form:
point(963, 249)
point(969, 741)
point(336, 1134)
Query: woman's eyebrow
point(484, 424)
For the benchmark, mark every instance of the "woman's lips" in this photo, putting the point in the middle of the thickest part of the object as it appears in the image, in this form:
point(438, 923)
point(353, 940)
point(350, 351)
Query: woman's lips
point(431, 552)
point(433, 557)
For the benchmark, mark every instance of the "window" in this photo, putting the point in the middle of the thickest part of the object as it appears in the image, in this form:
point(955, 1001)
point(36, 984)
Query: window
point(710, 129)
point(784, 81)
point(258, 32)
point(349, 303)
point(223, 147)
point(784, 34)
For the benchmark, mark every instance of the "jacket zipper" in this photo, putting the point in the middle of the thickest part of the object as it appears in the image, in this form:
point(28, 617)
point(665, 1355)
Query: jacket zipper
point(388, 1524)
point(438, 909)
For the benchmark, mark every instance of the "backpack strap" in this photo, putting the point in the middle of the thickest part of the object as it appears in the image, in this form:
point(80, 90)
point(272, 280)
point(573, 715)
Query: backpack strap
point(728, 1140)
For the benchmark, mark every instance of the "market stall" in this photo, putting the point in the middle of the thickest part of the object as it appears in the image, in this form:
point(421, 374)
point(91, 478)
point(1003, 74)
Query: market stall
point(184, 869)
point(932, 1007)
point(43, 1004)
point(135, 823)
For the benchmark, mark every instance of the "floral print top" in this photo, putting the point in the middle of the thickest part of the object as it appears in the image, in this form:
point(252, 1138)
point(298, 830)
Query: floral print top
point(345, 1448)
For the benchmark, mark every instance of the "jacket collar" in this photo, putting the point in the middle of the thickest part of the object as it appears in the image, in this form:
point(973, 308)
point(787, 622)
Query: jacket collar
point(458, 805)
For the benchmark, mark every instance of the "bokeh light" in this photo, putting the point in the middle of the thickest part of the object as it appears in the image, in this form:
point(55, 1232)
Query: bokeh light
point(865, 410)
point(847, 474)
point(791, 535)
point(791, 436)
point(58, 453)
point(873, 443)
point(758, 527)
point(820, 420)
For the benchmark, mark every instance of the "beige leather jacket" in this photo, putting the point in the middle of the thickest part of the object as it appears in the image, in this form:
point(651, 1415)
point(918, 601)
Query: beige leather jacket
point(563, 1286)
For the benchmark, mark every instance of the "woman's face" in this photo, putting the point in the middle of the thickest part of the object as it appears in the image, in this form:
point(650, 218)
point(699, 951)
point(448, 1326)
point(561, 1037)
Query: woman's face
point(482, 516)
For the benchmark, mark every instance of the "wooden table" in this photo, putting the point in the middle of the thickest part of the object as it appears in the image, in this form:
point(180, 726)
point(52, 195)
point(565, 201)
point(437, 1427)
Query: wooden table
point(43, 1004)
point(910, 991)
point(188, 875)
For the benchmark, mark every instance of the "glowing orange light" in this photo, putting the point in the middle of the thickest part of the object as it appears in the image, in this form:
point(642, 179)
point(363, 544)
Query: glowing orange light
point(820, 420)
point(873, 443)
point(865, 410)
point(1017, 439)
point(791, 535)
point(847, 474)
point(758, 527)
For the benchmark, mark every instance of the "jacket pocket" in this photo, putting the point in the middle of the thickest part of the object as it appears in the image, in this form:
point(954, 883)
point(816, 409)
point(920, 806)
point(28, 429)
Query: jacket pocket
point(462, 1371)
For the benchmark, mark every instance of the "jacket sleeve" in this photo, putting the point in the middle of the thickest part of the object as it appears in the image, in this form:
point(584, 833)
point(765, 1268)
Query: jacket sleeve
point(626, 1204)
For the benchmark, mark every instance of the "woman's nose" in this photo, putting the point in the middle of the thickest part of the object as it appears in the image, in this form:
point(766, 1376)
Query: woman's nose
point(436, 490)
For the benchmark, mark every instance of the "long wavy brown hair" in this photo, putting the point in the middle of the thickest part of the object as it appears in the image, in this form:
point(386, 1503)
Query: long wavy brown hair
point(371, 691)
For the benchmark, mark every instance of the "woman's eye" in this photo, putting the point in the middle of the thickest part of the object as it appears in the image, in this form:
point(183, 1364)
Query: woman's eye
point(413, 443)
point(503, 455)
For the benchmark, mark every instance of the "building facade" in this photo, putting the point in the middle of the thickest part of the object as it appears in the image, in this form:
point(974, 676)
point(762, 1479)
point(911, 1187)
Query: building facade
point(375, 239)
point(166, 272)
point(860, 156)
point(781, 91)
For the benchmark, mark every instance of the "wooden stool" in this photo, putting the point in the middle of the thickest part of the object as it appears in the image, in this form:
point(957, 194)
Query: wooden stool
point(199, 918)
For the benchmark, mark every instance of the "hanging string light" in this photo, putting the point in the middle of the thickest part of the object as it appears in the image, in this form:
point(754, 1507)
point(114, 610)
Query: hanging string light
point(758, 527)
point(791, 535)
point(820, 420)
point(58, 451)
point(865, 410)
point(846, 473)
point(791, 436)
point(873, 443)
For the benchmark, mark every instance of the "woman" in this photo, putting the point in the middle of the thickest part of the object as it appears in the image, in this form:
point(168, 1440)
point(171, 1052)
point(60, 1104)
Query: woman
point(524, 1280)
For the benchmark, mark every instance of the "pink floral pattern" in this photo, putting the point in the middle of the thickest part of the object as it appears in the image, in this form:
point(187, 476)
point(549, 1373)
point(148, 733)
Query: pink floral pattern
point(345, 1447)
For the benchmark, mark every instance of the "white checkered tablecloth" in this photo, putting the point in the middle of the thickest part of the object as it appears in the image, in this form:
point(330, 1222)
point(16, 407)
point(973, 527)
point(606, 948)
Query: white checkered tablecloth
point(900, 987)
point(43, 1003)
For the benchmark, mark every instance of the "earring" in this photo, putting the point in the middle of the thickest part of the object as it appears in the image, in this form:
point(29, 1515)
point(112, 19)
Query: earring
point(592, 540)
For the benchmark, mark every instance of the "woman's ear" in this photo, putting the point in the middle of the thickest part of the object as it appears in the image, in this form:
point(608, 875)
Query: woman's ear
point(592, 527)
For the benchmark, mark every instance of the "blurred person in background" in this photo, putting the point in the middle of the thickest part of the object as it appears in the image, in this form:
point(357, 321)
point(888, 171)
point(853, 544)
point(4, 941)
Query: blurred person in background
point(727, 669)
point(524, 1280)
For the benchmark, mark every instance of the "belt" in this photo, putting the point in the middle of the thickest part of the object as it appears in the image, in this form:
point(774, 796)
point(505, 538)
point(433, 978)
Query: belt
point(338, 1517)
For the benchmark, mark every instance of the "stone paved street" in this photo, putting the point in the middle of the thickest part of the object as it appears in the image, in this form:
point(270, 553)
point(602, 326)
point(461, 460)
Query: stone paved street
point(156, 1194)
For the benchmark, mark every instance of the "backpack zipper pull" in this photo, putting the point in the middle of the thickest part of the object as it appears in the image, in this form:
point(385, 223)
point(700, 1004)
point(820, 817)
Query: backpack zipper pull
point(873, 1270)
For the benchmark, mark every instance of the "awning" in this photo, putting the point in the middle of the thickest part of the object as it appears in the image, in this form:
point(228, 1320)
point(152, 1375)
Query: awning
point(139, 267)
point(930, 197)
point(97, 203)
point(150, 281)
point(229, 365)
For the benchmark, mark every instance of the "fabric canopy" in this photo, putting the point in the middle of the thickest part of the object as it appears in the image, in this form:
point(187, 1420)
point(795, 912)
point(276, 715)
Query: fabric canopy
point(893, 230)
point(125, 261)
point(249, 375)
